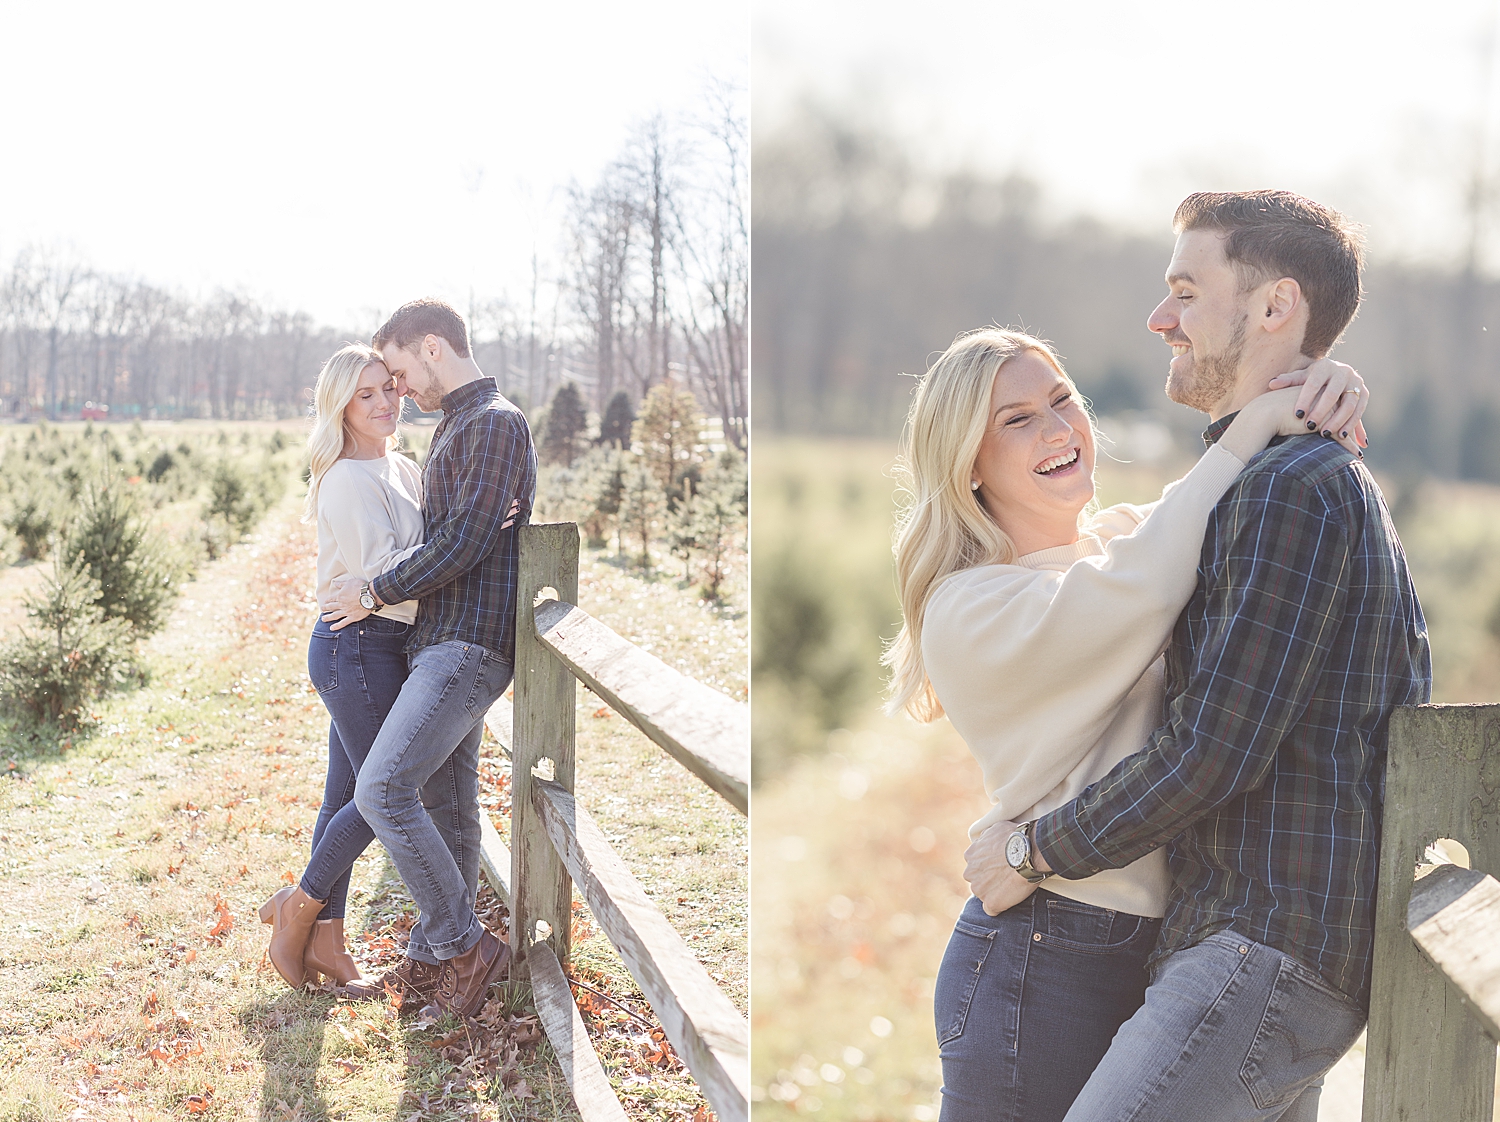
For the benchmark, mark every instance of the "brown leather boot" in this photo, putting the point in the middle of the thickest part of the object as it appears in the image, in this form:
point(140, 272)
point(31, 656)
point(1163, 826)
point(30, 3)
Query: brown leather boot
point(466, 979)
point(412, 979)
point(292, 915)
point(327, 954)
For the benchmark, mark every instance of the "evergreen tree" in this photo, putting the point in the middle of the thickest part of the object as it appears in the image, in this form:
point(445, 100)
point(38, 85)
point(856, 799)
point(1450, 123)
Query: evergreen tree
point(718, 514)
point(32, 520)
point(619, 416)
point(69, 654)
point(115, 544)
point(667, 429)
point(606, 485)
point(683, 533)
point(566, 424)
point(641, 505)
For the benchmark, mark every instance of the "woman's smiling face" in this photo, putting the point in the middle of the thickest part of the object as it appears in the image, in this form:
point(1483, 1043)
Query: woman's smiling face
point(1036, 464)
point(372, 412)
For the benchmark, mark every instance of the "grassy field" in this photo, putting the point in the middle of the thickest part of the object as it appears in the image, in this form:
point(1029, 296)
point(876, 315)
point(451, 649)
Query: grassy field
point(133, 856)
point(861, 820)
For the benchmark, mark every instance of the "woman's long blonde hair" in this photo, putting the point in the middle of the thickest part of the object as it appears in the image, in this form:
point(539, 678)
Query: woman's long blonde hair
point(941, 526)
point(331, 440)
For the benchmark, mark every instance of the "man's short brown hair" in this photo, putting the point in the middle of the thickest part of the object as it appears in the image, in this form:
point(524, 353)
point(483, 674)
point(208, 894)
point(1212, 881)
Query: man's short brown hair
point(1274, 234)
point(413, 322)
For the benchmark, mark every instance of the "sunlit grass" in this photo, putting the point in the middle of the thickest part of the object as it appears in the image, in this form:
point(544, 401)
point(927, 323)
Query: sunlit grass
point(202, 786)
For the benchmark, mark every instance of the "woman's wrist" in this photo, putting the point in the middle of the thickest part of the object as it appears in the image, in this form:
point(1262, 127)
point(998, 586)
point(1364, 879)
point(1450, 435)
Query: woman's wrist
point(1249, 432)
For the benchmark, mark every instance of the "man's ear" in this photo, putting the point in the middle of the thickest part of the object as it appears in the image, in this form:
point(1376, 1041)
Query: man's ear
point(432, 347)
point(1281, 305)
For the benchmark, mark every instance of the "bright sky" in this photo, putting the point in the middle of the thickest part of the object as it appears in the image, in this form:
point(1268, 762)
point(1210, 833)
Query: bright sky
point(341, 158)
point(1122, 107)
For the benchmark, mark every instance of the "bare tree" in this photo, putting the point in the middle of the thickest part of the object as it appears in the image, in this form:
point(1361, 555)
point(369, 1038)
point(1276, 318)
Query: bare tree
point(56, 277)
point(712, 243)
point(602, 222)
point(21, 311)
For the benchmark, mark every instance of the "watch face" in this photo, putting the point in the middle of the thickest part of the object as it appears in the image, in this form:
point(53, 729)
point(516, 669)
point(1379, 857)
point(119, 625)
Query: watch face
point(1017, 850)
point(367, 602)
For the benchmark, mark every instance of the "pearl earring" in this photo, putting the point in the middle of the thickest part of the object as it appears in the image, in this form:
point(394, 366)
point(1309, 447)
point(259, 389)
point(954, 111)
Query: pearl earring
point(973, 484)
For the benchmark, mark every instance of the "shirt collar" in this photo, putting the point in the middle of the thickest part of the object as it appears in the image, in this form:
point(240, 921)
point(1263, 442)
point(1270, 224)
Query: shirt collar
point(1214, 431)
point(468, 394)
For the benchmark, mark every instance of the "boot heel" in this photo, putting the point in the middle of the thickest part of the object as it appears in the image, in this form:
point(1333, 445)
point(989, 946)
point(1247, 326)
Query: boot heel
point(268, 909)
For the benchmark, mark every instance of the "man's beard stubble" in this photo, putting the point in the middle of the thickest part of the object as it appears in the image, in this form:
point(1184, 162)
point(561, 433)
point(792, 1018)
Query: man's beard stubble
point(1214, 375)
point(431, 395)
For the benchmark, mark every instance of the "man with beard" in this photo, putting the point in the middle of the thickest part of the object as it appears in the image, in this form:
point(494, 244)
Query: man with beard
point(1265, 781)
point(479, 483)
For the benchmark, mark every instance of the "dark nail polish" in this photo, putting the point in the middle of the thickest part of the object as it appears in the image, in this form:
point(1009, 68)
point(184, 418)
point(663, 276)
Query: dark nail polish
point(1328, 435)
point(1311, 426)
point(1345, 433)
point(1301, 413)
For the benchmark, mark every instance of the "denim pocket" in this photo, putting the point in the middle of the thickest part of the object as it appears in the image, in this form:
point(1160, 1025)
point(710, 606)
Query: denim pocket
point(491, 677)
point(1306, 1028)
point(963, 962)
point(1074, 926)
point(323, 663)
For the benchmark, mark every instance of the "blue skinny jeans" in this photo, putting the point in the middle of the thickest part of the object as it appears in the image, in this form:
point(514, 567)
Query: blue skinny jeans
point(1028, 1001)
point(358, 672)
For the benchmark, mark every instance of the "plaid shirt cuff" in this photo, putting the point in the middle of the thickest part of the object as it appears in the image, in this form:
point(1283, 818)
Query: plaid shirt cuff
point(386, 591)
point(1062, 844)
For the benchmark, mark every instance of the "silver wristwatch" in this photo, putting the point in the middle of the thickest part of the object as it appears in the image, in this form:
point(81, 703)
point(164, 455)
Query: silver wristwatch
point(366, 597)
point(1018, 854)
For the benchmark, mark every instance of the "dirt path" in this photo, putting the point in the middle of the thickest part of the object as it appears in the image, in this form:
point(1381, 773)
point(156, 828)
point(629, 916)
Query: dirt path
point(132, 984)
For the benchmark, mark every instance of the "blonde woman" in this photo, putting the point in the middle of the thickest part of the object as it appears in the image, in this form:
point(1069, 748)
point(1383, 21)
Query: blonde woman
point(367, 502)
point(1036, 623)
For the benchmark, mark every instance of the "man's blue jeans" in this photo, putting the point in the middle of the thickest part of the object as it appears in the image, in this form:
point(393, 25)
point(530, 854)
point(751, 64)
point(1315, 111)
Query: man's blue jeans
point(358, 672)
point(1027, 1002)
point(439, 715)
point(1231, 1030)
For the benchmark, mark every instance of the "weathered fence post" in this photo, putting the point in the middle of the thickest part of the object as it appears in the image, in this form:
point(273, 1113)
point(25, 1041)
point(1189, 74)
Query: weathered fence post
point(544, 729)
point(1426, 1056)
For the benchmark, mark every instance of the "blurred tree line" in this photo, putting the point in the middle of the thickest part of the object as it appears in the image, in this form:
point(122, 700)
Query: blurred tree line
point(650, 285)
point(866, 267)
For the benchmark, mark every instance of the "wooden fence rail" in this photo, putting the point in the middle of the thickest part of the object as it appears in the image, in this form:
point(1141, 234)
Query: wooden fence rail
point(554, 842)
point(1430, 1049)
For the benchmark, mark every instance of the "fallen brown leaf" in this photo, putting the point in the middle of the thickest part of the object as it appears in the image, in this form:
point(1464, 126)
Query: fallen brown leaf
point(200, 1104)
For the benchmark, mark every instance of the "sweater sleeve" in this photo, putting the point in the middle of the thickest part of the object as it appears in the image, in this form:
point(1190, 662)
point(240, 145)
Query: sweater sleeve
point(1271, 618)
point(1032, 665)
point(349, 504)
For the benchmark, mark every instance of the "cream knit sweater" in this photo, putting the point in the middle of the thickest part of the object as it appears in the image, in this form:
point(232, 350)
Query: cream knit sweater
point(1051, 668)
point(369, 519)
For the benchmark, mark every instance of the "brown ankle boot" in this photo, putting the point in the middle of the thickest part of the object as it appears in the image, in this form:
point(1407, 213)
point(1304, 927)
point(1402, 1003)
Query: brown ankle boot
point(466, 979)
point(292, 916)
point(413, 980)
point(327, 954)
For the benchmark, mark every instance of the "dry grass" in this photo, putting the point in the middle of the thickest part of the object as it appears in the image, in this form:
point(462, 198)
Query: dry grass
point(857, 856)
point(132, 861)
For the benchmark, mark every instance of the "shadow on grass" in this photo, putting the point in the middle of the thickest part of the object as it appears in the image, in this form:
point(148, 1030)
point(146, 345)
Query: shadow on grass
point(288, 1031)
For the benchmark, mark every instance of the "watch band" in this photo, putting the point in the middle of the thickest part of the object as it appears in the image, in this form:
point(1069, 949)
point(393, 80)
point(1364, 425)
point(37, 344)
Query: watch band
point(1025, 868)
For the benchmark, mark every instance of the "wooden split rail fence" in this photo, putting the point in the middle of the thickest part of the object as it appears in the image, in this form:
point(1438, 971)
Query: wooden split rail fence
point(1435, 1001)
point(555, 843)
